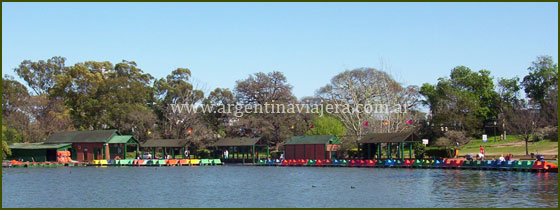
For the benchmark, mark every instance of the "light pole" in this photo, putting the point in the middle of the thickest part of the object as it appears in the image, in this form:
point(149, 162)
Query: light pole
point(505, 133)
point(494, 131)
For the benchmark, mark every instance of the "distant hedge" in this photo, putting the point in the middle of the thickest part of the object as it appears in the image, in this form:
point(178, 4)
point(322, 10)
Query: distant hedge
point(275, 154)
point(203, 153)
point(439, 152)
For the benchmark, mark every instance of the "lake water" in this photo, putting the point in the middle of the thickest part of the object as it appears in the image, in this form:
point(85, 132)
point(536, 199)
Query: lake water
point(248, 186)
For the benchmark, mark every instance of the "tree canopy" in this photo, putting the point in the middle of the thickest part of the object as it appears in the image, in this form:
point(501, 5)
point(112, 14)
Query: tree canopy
point(464, 101)
point(101, 95)
point(326, 125)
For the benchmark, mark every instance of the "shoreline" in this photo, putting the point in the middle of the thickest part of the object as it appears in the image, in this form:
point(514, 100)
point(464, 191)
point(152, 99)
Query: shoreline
point(517, 165)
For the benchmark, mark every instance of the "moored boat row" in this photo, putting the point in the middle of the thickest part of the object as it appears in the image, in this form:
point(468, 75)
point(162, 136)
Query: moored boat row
point(126, 162)
point(517, 165)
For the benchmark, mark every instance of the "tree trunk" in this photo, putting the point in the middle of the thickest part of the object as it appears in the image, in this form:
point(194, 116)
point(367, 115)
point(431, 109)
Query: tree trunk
point(526, 146)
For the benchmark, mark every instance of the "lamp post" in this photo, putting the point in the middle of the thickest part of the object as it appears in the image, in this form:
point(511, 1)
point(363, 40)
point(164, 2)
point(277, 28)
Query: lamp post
point(495, 131)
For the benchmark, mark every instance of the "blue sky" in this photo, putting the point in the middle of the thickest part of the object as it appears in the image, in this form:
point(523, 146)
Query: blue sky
point(308, 42)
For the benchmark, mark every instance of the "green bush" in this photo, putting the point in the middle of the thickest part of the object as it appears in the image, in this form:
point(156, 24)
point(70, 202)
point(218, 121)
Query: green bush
point(203, 153)
point(419, 150)
point(347, 150)
point(439, 152)
point(454, 139)
point(554, 135)
point(548, 132)
point(537, 138)
point(275, 154)
point(353, 152)
point(5, 150)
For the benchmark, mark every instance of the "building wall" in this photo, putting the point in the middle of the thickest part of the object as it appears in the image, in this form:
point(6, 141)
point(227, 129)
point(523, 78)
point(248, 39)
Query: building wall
point(320, 152)
point(306, 151)
point(295, 151)
point(92, 150)
point(37, 155)
point(289, 152)
point(309, 152)
point(299, 151)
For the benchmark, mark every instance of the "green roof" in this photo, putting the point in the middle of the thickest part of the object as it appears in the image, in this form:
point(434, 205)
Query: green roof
point(123, 139)
point(237, 141)
point(94, 136)
point(37, 146)
point(330, 139)
point(164, 143)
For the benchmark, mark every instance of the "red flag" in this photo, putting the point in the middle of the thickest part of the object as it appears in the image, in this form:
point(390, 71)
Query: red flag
point(366, 124)
point(409, 122)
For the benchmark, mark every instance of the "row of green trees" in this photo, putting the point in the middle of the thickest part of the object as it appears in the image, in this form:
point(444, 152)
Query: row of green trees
point(470, 102)
point(101, 95)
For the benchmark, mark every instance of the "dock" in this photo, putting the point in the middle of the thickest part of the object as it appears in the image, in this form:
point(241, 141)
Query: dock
point(449, 164)
point(126, 162)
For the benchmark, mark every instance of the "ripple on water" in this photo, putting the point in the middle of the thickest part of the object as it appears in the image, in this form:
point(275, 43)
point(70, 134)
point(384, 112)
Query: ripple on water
point(237, 186)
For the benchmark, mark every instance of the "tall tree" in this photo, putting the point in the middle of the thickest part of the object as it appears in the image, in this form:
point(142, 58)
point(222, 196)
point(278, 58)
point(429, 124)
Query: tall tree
point(15, 103)
point(11, 135)
point(453, 139)
point(369, 95)
point(41, 75)
point(326, 125)
point(35, 116)
point(523, 120)
point(464, 101)
point(128, 90)
point(5, 150)
point(48, 116)
point(543, 76)
point(261, 89)
point(220, 100)
point(508, 89)
point(481, 85)
point(84, 91)
point(541, 86)
point(14, 95)
point(100, 96)
point(177, 89)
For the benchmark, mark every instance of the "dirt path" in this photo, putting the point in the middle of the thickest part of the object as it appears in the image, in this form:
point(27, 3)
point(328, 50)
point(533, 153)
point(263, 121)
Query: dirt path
point(518, 143)
point(551, 151)
point(547, 151)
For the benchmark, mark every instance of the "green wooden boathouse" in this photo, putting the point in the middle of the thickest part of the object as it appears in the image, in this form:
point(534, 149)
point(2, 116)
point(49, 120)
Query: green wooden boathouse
point(36, 152)
point(240, 149)
point(370, 145)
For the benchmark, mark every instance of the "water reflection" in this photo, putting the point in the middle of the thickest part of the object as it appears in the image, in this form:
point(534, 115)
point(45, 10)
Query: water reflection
point(494, 189)
point(235, 186)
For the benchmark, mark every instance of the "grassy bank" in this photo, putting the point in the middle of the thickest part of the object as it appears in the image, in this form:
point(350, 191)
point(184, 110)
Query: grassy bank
point(513, 145)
